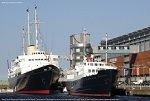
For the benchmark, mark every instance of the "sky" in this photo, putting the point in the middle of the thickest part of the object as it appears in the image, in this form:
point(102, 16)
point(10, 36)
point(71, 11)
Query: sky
point(62, 18)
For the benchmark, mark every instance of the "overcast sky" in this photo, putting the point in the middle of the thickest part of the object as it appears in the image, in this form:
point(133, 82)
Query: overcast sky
point(61, 18)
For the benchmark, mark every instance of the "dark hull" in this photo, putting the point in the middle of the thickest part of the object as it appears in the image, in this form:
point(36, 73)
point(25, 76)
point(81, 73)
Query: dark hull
point(101, 84)
point(39, 81)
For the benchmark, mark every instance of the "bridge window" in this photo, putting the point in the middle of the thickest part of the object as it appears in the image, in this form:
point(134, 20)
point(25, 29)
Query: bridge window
point(89, 70)
point(95, 64)
point(91, 64)
point(93, 70)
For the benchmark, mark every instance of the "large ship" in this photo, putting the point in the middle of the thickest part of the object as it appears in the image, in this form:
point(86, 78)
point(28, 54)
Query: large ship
point(88, 76)
point(34, 72)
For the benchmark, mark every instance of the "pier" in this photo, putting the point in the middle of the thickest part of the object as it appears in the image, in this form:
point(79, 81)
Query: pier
point(143, 90)
point(135, 85)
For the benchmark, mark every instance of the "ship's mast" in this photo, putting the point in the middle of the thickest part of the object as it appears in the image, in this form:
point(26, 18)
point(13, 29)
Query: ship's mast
point(106, 49)
point(36, 28)
point(23, 41)
point(29, 43)
point(84, 44)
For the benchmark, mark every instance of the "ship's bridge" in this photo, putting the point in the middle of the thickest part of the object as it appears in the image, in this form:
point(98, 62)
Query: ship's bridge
point(38, 52)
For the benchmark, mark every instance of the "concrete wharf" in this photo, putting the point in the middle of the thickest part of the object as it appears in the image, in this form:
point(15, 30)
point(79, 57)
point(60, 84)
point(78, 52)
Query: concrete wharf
point(143, 90)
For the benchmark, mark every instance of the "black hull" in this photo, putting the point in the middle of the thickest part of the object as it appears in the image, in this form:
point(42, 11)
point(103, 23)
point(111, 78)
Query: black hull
point(39, 81)
point(101, 84)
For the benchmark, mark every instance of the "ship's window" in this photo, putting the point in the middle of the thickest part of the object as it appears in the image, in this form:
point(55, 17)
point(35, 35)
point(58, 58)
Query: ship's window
point(85, 64)
point(96, 70)
point(39, 53)
point(95, 64)
point(88, 63)
point(29, 59)
point(91, 64)
point(41, 59)
point(89, 70)
point(100, 64)
point(32, 59)
point(93, 70)
point(36, 59)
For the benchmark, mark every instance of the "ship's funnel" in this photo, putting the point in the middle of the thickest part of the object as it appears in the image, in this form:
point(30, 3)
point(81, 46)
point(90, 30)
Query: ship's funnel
point(31, 49)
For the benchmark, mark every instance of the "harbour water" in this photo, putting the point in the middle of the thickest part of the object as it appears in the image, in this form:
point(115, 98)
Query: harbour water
point(66, 97)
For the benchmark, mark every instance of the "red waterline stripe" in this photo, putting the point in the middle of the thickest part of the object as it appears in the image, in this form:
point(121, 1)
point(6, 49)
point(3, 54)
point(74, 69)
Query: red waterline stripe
point(34, 92)
point(86, 94)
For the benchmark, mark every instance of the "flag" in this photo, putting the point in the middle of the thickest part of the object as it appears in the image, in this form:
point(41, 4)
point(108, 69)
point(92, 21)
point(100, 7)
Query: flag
point(27, 10)
point(35, 7)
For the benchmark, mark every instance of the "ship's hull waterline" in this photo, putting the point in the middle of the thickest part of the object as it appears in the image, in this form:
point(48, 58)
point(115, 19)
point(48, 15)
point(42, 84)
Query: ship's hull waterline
point(39, 81)
point(101, 84)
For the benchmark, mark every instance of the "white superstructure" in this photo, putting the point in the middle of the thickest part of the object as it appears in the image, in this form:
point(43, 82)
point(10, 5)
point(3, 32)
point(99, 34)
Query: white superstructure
point(29, 62)
point(88, 67)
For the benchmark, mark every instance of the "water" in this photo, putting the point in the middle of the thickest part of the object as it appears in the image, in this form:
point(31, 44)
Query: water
point(66, 97)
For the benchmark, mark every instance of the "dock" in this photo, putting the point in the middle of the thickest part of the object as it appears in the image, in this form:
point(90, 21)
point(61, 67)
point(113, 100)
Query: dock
point(135, 88)
point(143, 90)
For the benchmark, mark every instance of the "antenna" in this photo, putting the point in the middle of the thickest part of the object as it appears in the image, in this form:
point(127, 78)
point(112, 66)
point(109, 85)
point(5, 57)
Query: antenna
point(8, 64)
point(36, 27)
point(28, 27)
point(106, 49)
point(84, 32)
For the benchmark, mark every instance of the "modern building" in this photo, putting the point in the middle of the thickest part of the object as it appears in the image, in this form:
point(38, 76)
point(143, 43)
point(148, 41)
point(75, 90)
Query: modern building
point(129, 52)
point(79, 47)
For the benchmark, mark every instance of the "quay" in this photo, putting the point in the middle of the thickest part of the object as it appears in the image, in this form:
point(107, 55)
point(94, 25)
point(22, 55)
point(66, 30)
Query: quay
point(135, 85)
point(143, 90)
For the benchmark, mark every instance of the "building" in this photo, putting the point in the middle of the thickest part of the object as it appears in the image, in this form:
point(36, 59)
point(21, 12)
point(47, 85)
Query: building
point(129, 52)
point(79, 47)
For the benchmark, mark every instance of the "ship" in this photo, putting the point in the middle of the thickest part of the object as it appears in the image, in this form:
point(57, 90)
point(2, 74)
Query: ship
point(92, 78)
point(88, 76)
point(35, 71)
